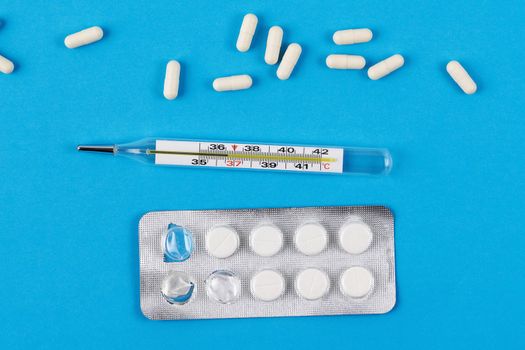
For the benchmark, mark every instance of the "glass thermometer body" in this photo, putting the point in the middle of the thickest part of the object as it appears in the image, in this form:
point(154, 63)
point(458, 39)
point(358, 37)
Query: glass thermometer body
point(254, 156)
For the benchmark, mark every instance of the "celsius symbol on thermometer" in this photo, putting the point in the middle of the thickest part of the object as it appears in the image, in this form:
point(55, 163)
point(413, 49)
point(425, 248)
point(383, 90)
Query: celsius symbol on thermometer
point(253, 156)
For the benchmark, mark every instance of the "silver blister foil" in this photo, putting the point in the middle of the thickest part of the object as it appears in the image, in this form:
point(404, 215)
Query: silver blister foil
point(378, 259)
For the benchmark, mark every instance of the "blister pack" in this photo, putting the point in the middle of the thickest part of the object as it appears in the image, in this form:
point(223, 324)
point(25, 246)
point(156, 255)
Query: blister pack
point(198, 264)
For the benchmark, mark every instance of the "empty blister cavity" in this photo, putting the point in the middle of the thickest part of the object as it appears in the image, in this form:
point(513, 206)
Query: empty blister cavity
point(290, 58)
point(223, 286)
point(356, 282)
point(177, 287)
point(171, 80)
point(355, 237)
point(461, 77)
point(84, 37)
point(246, 33)
point(273, 45)
point(222, 241)
point(386, 66)
point(311, 238)
point(352, 36)
point(177, 244)
point(267, 285)
point(345, 62)
point(266, 240)
point(312, 284)
point(232, 83)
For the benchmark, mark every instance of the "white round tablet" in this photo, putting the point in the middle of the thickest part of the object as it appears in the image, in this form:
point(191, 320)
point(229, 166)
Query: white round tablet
point(222, 241)
point(266, 240)
point(356, 282)
point(311, 238)
point(355, 237)
point(312, 284)
point(267, 285)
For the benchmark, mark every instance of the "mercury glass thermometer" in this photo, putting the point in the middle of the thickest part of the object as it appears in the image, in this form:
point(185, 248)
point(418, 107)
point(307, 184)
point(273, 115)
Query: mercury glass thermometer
point(255, 156)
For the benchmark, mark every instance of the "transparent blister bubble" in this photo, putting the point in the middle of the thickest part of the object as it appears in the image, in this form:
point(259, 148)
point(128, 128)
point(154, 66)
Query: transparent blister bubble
point(177, 287)
point(223, 286)
point(177, 243)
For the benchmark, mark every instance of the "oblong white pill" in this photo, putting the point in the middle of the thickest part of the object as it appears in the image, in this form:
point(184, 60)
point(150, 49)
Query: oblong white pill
point(345, 62)
point(267, 285)
point(290, 58)
point(234, 82)
point(266, 240)
point(311, 238)
point(171, 80)
point(244, 40)
point(352, 36)
point(386, 66)
point(222, 241)
point(356, 282)
point(355, 237)
point(6, 65)
point(461, 77)
point(273, 45)
point(312, 284)
point(84, 37)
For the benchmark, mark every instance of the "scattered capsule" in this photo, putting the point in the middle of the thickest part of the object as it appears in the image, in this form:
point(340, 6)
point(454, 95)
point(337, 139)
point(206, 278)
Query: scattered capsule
point(273, 45)
point(244, 40)
point(231, 83)
point(290, 58)
point(345, 62)
point(352, 36)
point(385, 67)
point(171, 81)
point(84, 37)
point(461, 77)
point(6, 66)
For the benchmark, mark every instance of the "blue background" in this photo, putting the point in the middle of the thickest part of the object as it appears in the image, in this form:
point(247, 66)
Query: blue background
point(68, 221)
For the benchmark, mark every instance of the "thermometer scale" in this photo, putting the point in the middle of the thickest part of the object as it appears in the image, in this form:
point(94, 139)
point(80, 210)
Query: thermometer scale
point(254, 156)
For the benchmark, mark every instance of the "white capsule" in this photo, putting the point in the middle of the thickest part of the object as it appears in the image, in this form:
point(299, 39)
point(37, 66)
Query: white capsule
point(244, 40)
point(352, 36)
point(6, 66)
point(290, 58)
point(171, 81)
point(345, 62)
point(386, 66)
point(84, 37)
point(273, 45)
point(461, 77)
point(234, 82)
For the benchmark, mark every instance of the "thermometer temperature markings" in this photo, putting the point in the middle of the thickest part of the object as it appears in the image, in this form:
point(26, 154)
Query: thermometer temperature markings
point(255, 156)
